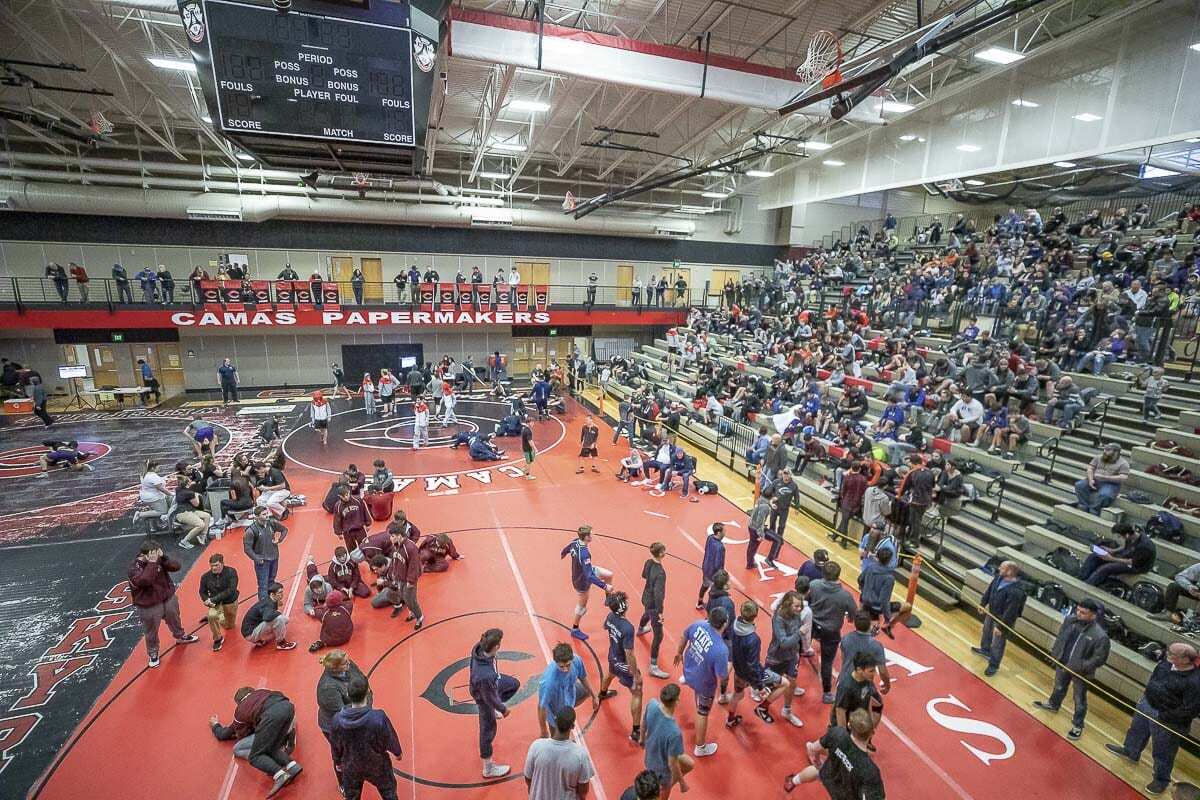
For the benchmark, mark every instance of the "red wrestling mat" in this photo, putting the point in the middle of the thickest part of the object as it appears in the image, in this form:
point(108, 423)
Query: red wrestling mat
point(946, 732)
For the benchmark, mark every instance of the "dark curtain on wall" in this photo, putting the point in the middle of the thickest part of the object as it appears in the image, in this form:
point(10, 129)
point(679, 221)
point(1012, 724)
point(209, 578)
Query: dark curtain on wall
point(301, 235)
point(360, 358)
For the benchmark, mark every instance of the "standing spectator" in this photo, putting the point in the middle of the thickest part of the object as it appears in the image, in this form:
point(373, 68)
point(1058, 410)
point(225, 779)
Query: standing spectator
point(81, 280)
point(229, 378)
point(1135, 556)
point(361, 738)
point(490, 690)
point(58, 276)
point(148, 379)
point(121, 278)
point(153, 594)
point(357, 281)
point(593, 281)
point(831, 606)
point(663, 742)
point(636, 292)
point(1169, 703)
point(1082, 648)
point(756, 527)
point(148, 280)
point(260, 541)
point(1106, 473)
point(268, 720)
point(916, 489)
point(1003, 602)
point(850, 501)
point(265, 623)
point(557, 767)
point(1156, 386)
point(219, 593)
point(37, 393)
point(167, 281)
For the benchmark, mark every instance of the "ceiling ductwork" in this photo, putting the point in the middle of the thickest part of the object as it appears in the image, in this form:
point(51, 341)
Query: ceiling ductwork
point(54, 198)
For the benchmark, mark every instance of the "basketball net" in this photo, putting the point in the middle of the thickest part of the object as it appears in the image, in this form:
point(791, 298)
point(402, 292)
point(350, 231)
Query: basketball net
point(568, 203)
point(98, 124)
point(823, 62)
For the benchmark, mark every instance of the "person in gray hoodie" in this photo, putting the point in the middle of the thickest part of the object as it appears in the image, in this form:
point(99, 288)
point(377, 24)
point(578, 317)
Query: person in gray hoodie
point(333, 689)
point(757, 525)
point(1082, 648)
point(831, 605)
point(876, 582)
point(783, 654)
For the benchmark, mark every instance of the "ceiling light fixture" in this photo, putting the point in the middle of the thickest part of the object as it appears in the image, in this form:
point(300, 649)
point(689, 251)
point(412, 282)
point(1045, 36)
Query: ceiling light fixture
point(1021, 102)
point(172, 63)
point(1196, 47)
point(495, 176)
point(833, 162)
point(968, 148)
point(908, 137)
point(974, 182)
point(1193, 140)
point(1087, 116)
point(895, 107)
point(999, 55)
point(1064, 164)
point(759, 173)
point(245, 156)
point(529, 105)
point(818, 145)
point(715, 195)
point(515, 147)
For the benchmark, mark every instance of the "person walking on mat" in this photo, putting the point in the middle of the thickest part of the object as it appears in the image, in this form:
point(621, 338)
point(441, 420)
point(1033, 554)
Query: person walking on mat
point(490, 690)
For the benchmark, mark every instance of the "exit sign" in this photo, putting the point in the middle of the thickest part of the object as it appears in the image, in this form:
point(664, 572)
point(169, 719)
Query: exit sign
point(118, 337)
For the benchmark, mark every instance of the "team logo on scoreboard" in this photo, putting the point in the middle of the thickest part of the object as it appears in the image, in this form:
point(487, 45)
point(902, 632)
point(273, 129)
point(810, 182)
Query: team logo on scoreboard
point(423, 53)
point(193, 22)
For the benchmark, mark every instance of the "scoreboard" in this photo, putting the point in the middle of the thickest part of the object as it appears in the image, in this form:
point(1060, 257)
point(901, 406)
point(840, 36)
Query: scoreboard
point(307, 74)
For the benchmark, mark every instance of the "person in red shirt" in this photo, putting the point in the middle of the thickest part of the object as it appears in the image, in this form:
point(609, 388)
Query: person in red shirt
point(337, 626)
point(854, 486)
point(434, 550)
point(345, 575)
point(81, 280)
point(154, 596)
point(351, 518)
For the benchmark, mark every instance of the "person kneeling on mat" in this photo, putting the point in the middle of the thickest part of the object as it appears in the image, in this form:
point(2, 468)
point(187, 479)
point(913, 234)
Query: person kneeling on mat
point(337, 626)
point(509, 426)
point(482, 449)
point(264, 723)
point(434, 551)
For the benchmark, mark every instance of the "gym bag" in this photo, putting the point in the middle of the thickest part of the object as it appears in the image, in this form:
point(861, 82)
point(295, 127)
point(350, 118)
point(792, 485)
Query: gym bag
point(1165, 525)
point(1053, 595)
point(1116, 587)
point(1147, 596)
point(1064, 560)
point(705, 487)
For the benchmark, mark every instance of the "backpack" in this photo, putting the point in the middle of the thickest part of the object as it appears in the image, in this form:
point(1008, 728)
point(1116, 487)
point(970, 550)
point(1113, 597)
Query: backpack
point(1116, 587)
point(992, 565)
point(1053, 595)
point(1115, 626)
point(1147, 596)
point(1165, 525)
point(705, 487)
point(331, 497)
point(1064, 560)
point(380, 505)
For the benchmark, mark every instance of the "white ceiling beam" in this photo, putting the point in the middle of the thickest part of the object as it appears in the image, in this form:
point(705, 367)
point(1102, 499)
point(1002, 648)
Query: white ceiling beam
point(489, 112)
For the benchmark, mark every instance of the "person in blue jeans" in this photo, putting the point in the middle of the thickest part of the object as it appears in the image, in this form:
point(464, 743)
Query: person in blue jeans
point(681, 464)
point(1135, 556)
point(1106, 474)
point(1169, 704)
point(490, 690)
point(261, 543)
point(1003, 603)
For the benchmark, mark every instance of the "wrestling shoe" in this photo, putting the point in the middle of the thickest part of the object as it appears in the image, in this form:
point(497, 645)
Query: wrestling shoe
point(496, 770)
point(655, 672)
point(578, 634)
point(187, 639)
point(285, 645)
point(792, 718)
point(702, 751)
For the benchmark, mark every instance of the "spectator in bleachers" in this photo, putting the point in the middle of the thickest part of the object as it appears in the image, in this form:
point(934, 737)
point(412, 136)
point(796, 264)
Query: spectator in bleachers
point(1135, 555)
point(1106, 474)
point(1185, 583)
point(964, 416)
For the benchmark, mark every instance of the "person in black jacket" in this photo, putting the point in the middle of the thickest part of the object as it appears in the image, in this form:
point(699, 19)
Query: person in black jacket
point(1135, 556)
point(1081, 647)
point(1169, 703)
point(265, 623)
point(219, 591)
point(653, 599)
point(1003, 603)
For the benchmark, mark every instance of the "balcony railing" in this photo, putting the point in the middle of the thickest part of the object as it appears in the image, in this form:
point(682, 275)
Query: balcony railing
point(114, 295)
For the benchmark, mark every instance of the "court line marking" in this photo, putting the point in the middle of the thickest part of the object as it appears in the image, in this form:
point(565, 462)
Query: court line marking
point(541, 637)
point(296, 583)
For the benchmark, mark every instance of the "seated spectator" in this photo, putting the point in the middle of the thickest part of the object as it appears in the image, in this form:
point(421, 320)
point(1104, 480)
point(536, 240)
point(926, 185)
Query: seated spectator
point(890, 420)
point(1186, 582)
point(964, 416)
point(1006, 441)
point(994, 420)
point(1135, 556)
point(683, 465)
point(1066, 400)
point(756, 452)
point(1106, 473)
point(631, 466)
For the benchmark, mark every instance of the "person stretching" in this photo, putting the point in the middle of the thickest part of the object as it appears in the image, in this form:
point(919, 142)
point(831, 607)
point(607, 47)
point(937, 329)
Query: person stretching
point(584, 575)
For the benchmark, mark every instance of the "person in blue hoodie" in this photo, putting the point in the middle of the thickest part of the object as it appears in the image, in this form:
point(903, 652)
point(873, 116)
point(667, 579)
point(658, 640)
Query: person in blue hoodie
point(540, 394)
point(718, 597)
point(746, 650)
point(361, 738)
point(490, 690)
point(876, 581)
point(584, 575)
point(714, 559)
point(705, 660)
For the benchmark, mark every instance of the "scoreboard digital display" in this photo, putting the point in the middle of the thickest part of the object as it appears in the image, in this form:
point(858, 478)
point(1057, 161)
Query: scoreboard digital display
point(308, 75)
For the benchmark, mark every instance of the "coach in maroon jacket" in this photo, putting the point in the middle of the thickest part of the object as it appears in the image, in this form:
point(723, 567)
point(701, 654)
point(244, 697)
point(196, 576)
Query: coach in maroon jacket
point(154, 597)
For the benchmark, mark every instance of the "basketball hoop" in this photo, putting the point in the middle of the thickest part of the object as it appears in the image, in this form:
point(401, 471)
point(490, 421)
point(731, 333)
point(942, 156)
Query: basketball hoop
point(823, 62)
point(568, 203)
point(98, 124)
point(360, 180)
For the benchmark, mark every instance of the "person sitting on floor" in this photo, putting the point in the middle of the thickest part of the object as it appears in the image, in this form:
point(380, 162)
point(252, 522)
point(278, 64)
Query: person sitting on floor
point(345, 574)
point(316, 593)
point(631, 466)
point(337, 626)
point(482, 449)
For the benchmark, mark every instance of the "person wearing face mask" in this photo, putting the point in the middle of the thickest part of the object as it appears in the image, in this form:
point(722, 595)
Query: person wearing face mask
point(1080, 649)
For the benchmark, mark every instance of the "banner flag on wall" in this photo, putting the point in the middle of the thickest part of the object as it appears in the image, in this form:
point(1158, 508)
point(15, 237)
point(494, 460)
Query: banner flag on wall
point(521, 299)
point(503, 297)
point(304, 295)
point(232, 295)
point(428, 295)
point(445, 296)
point(210, 293)
point(483, 293)
point(331, 296)
point(464, 295)
point(260, 293)
point(285, 294)
point(541, 295)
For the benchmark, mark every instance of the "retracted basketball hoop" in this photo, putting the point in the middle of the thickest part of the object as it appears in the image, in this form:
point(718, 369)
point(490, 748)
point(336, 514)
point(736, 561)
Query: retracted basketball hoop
point(361, 181)
point(97, 123)
point(568, 203)
point(823, 62)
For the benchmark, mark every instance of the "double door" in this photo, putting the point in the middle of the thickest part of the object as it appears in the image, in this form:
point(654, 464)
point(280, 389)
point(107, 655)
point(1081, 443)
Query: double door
point(341, 268)
point(534, 351)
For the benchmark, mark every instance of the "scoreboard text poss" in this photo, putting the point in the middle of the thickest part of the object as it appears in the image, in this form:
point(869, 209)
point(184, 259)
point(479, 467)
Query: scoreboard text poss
point(310, 76)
